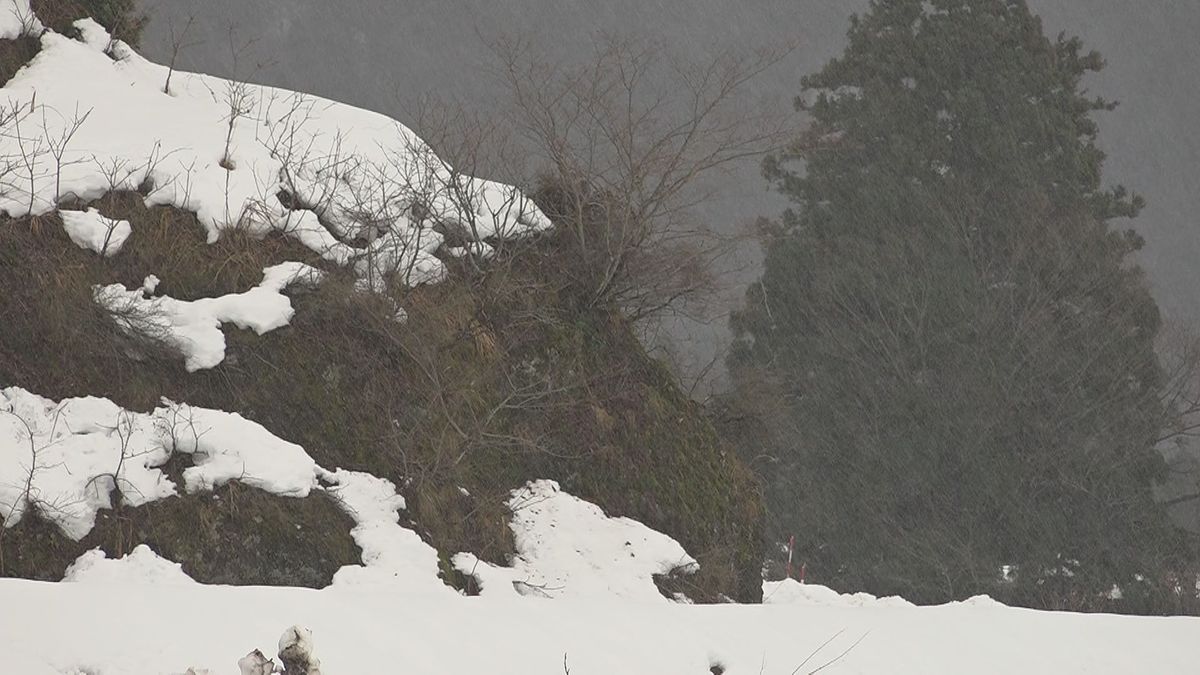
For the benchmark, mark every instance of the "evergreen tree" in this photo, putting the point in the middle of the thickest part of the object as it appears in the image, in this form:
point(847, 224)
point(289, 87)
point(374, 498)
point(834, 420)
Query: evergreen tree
point(957, 352)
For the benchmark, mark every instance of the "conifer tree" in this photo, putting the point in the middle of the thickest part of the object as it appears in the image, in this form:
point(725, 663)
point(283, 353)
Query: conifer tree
point(956, 349)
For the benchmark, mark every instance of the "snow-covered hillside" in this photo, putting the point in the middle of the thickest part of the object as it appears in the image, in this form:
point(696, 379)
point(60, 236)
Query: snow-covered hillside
point(88, 116)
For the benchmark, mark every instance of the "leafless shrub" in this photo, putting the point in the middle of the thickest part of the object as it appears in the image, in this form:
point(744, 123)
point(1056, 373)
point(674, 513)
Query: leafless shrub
point(58, 143)
point(105, 484)
point(624, 160)
point(141, 321)
point(11, 164)
point(25, 16)
point(179, 42)
point(30, 148)
point(29, 499)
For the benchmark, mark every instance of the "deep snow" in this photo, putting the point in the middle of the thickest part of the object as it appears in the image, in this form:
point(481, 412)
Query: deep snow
point(121, 629)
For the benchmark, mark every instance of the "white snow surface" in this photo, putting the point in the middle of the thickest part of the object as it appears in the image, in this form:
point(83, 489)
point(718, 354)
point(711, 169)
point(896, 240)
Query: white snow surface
point(568, 548)
point(393, 614)
point(67, 462)
point(113, 629)
point(226, 447)
point(92, 231)
point(142, 566)
point(193, 327)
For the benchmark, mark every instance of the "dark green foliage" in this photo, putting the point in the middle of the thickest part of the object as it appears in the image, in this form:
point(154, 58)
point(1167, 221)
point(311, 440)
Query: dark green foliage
point(949, 356)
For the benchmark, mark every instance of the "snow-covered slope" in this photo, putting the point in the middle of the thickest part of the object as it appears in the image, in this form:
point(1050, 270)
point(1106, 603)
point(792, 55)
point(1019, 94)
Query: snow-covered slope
point(88, 116)
point(224, 148)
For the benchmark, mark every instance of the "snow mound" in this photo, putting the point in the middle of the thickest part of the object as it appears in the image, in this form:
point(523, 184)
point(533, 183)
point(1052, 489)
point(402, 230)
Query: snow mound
point(194, 327)
point(227, 447)
point(792, 592)
point(141, 566)
point(568, 548)
point(92, 231)
point(106, 629)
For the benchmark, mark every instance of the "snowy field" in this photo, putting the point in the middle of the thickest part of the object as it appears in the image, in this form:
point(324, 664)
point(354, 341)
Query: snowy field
point(123, 628)
point(88, 116)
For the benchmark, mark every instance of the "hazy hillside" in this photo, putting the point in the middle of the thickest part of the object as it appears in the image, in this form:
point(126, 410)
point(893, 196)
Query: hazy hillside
point(378, 54)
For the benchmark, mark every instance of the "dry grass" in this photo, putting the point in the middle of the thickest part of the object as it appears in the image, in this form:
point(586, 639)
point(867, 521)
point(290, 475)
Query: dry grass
point(236, 535)
point(496, 378)
point(120, 17)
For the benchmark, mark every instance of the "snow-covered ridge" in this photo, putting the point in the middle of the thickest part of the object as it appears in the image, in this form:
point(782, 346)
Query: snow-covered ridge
point(90, 116)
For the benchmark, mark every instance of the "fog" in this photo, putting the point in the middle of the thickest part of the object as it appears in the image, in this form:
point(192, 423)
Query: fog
point(384, 55)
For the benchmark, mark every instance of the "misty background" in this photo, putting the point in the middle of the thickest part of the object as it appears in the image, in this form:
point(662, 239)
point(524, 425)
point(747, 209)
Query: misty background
point(384, 55)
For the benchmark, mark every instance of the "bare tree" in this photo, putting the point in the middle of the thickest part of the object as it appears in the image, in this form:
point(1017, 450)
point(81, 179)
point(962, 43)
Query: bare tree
point(1179, 353)
point(30, 149)
point(58, 143)
point(179, 42)
point(624, 159)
